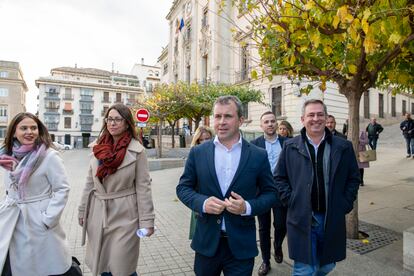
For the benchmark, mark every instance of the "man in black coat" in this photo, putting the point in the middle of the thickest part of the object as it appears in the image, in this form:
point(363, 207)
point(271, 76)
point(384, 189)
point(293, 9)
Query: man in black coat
point(331, 125)
point(317, 177)
point(273, 145)
point(407, 128)
point(373, 129)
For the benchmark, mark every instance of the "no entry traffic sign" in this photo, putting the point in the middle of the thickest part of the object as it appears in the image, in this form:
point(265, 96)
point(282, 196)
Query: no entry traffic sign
point(142, 115)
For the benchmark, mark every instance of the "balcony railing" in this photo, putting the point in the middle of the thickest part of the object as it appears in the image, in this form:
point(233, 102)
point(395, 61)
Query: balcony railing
point(52, 126)
point(86, 111)
point(68, 97)
point(67, 112)
point(86, 99)
point(86, 127)
point(4, 119)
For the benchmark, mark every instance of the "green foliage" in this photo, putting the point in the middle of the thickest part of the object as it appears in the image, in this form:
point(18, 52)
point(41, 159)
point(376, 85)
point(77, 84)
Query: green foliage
point(172, 102)
point(355, 43)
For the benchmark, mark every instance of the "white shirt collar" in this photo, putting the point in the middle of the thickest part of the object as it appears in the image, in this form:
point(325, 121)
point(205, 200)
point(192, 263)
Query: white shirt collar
point(217, 142)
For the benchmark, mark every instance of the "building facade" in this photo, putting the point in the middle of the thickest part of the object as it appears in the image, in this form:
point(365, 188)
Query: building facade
point(13, 90)
point(73, 101)
point(211, 43)
point(148, 76)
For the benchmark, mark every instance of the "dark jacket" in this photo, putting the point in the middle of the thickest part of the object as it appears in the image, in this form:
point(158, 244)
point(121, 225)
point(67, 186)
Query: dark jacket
point(294, 177)
point(376, 131)
point(336, 133)
point(407, 127)
point(261, 143)
point(199, 182)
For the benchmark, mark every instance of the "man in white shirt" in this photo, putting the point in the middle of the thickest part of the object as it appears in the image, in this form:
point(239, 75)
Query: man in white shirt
point(273, 145)
point(227, 182)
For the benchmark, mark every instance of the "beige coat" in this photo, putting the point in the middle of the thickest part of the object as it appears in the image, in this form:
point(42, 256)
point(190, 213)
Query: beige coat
point(30, 228)
point(114, 210)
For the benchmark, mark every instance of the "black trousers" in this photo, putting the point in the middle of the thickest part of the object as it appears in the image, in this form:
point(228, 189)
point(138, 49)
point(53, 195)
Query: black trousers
point(279, 224)
point(6, 268)
point(222, 261)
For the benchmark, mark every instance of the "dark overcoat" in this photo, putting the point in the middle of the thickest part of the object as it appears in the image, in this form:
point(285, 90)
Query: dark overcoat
point(294, 178)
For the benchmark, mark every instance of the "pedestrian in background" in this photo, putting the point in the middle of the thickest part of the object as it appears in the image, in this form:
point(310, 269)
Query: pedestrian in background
point(345, 128)
point(285, 129)
point(229, 182)
point(116, 200)
point(317, 178)
point(273, 144)
point(331, 125)
point(407, 128)
point(373, 129)
point(37, 190)
point(362, 146)
point(201, 135)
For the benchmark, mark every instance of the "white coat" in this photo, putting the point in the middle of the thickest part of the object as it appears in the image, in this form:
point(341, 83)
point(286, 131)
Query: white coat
point(30, 228)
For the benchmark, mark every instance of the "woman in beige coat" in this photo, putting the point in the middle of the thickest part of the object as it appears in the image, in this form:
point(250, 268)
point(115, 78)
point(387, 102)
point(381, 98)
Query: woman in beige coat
point(36, 194)
point(117, 200)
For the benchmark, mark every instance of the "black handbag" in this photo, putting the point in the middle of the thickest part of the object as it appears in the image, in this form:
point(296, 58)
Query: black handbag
point(75, 269)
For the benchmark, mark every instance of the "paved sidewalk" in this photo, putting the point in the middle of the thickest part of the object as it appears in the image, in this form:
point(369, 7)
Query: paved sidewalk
point(384, 201)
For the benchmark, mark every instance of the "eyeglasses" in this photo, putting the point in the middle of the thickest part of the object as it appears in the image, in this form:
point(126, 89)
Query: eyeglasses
point(116, 120)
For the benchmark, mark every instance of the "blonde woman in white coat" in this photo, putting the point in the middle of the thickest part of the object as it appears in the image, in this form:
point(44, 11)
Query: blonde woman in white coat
point(36, 194)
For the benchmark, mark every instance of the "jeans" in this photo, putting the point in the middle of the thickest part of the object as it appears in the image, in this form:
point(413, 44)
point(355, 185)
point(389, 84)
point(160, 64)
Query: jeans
point(317, 238)
point(372, 141)
point(410, 145)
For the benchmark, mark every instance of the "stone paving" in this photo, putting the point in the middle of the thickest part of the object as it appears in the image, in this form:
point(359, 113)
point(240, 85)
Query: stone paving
point(168, 251)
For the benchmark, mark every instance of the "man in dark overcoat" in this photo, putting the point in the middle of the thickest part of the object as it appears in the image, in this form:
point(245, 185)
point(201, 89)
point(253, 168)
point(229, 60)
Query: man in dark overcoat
point(317, 177)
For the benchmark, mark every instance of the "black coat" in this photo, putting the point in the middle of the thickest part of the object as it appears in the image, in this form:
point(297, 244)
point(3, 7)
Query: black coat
point(377, 130)
point(407, 127)
point(294, 178)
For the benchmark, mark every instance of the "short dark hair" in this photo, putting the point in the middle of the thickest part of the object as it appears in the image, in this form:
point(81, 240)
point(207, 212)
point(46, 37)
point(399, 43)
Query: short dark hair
point(230, 98)
point(267, 113)
point(44, 137)
point(314, 101)
point(332, 117)
point(125, 113)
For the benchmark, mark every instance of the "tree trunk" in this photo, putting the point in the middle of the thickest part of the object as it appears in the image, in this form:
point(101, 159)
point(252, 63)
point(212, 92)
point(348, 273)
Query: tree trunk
point(354, 98)
point(197, 122)
point(172, 125)
point(159, 139)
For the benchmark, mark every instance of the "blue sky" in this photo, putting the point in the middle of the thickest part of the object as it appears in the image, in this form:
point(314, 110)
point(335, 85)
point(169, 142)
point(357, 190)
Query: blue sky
point(44, 34)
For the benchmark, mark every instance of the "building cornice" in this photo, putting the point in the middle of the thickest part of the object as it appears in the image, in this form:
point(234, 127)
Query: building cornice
point(172, 9)
point(14, 81)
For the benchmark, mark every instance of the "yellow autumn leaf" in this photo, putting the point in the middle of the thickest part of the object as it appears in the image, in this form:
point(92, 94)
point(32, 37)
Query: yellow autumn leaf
point(309, 5)
point(342, 13)
point(322, 86)
point(335, 22)
point(365, 26)
point(394, 38)
point(367, 14)
point(352, 69)
point(327, 50)
point(349, 18)
point(316, 39)
point(369, 44)
point(292, 60)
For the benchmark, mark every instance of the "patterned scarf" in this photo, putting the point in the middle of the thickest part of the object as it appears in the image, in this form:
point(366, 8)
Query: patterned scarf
point(27, 158)
point(110, 154)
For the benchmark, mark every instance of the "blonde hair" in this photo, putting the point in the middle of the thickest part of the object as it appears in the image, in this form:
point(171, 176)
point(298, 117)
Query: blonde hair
point(200, 130)
point(288, 126)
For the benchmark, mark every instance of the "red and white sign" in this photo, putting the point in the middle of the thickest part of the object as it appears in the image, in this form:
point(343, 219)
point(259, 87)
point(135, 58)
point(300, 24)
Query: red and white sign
point(142, 115)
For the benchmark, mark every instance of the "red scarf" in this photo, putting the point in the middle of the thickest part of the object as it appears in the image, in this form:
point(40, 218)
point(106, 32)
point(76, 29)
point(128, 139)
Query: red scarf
point(110, 155)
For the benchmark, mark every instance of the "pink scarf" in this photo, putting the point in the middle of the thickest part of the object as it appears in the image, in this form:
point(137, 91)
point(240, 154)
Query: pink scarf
point(23, 162)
